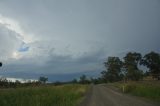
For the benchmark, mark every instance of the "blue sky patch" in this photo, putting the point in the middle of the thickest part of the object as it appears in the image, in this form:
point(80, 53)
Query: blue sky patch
point(23, 48)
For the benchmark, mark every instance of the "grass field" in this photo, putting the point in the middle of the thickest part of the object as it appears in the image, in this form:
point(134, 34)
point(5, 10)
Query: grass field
point(65, 95)
point(147, 89)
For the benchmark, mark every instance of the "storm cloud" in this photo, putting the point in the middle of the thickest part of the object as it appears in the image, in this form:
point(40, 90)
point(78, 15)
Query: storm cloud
point(52, 37)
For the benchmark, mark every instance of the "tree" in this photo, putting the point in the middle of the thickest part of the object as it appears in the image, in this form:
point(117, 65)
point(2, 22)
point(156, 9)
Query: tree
point(131, 62)
point(57, 83)
point(96, 80)
point(132, 59)
point(43, 79)
point(113, 67)
point(17, 82)
point(74, 81)
point(84, 80)
point(152, 61)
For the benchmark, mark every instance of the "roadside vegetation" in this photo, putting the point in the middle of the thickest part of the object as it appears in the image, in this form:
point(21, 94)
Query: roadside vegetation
point(126, 74)
point(146, 89)
point(128, 68)
point(64, 95)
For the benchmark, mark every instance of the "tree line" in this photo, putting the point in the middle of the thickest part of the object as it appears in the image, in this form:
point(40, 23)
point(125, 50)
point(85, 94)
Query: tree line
point(127, 68)
point(116, 69)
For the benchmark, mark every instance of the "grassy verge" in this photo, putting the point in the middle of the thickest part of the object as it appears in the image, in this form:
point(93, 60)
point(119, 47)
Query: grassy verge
point(65, 95)
point(147, 89)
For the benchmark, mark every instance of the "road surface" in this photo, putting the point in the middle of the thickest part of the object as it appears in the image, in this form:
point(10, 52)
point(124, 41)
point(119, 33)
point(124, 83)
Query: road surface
point(103, 95)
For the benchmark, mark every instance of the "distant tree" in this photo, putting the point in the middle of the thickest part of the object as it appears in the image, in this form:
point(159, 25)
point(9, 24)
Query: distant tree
point(131, 62)
point(3, 82)
point(113, 67)
point(74, 81)
point(57, 83)
point(17, 82)
point(152, 61)
point(91, 79)
point(43, 79)
point(84, 80)
point(98, 80)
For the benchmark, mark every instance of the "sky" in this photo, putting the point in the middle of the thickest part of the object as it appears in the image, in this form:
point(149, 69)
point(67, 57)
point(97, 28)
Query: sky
point(63, 39)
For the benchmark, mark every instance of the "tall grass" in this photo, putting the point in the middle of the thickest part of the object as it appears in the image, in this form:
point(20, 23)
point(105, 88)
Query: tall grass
point(150, 89)
point(68, 95)
point(147, 91)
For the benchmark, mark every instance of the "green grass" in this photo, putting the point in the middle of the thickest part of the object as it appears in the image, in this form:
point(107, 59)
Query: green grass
point(66, 95)
point(147, 89)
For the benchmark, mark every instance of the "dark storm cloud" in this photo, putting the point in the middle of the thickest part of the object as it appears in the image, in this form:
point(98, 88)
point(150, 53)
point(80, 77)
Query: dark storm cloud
point(77, 35)
point(57, 68)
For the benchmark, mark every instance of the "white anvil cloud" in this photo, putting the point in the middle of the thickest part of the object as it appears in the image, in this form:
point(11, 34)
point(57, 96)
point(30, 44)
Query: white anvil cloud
point(14, 26)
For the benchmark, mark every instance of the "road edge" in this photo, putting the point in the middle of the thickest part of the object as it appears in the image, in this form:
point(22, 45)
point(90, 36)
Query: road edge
point(87, 96)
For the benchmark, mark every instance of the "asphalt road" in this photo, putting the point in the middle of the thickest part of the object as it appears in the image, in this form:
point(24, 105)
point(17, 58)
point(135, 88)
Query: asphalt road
point(103, 95)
